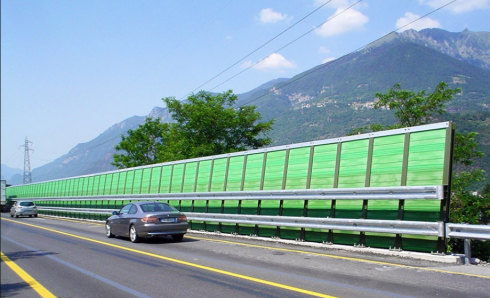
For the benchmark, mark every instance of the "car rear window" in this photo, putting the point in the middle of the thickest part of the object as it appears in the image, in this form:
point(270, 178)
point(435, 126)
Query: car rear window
point(157, 207)
point(26, 203)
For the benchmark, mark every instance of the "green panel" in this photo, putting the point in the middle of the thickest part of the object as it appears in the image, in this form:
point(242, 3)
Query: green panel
point(78, 187)
point(316, 235)
point(290, 233)
point(323, 167)
point(274, 170)
point(214, 206)
point(346, 237)
point(197, 225)
point(319, 208)
point(348, 209)
point(353, 163)
point(85, 184)
point(293, 207)
point(190, 176)
point(121, 183)
point(199, 206)
point(382, 240)
point(212, 226)
point(138, 175)
point(146, 181)
point(177, 176)
point(235, 172)
point(218, 176)
point(155, 179)
point(420, 243)
point(244, 229)
point(95, 189)
point(108, 186)
point(90, 186)
point(228, 228)
point(269, 207)
point(387, 161)
point(203, 176)
point(426, 158)
point(266, 231)
point(253, 171)
point(230, 206)
point(297, 172)
point(383, 209)
point(128, 189)
point(185, 205)
point(165, 179)
point(249, 207)
point(422, 210)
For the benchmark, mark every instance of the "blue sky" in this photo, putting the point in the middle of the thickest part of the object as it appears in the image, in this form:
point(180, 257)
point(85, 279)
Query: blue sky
point(71, 69)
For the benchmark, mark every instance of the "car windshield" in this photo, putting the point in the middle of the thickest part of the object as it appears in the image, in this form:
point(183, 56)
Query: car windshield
point(157, 207)
point(26, 203)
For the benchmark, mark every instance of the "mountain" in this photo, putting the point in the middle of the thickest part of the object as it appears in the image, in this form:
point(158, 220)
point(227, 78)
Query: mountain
point(331, 99)
point(7, 172)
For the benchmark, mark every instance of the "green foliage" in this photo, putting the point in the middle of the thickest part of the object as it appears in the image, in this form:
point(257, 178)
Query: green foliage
point(418, 108)
point(209, 124)
point(142, 145)
point(206, 125)
point(412, 108)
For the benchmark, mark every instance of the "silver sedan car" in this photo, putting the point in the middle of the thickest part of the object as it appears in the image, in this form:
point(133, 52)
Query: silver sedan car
point(139, 220)
point(23, 208)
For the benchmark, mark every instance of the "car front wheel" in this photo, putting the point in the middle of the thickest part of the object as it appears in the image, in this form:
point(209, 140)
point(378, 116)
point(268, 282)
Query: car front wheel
point(108, 231)
point(133, 235)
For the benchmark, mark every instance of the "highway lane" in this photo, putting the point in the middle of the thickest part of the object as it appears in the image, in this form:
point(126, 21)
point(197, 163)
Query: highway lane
point(74, 259)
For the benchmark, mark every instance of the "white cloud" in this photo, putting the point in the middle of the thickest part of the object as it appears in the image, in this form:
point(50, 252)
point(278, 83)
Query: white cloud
point(274, 61)
point(350, 20)
point(328, 59)
point(458, 6)
point(268, 16)
point(323, 50)
point(418, 25)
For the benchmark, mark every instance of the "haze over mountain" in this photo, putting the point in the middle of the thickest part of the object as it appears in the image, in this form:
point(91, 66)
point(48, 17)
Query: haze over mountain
point(331, 99)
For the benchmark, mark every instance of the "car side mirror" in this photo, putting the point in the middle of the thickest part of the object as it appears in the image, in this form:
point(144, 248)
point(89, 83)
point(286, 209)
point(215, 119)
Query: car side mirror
point(115, 213)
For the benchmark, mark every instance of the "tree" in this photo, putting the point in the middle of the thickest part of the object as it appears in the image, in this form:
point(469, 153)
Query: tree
point(411, 108)
point(143, 145)
point(209, 124)
point(205, 125)
point(419, 108)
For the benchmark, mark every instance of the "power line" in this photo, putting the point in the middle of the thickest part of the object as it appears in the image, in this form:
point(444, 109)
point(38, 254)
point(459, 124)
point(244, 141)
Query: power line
point(306, 73)
point(270, 40)
point(315, 69)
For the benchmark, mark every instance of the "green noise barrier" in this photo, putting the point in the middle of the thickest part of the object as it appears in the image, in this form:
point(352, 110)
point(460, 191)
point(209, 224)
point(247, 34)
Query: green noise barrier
point(413, 156)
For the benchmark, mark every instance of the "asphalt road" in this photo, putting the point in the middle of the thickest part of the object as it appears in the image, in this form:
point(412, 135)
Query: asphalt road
point(69, 258)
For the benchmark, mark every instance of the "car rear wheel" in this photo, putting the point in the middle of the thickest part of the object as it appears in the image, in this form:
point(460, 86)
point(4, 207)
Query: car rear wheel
point(35, 215)
point(178, 237)
point(11, 215)
point(108, 231)
point(133, 235)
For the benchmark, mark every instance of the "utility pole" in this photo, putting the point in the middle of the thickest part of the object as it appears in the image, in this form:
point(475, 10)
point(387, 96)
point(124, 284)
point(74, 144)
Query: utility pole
point(27, 163)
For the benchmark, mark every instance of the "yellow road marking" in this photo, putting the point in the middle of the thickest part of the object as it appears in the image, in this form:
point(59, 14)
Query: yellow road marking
point(336, 257)
point(27, 278)
point(241, 276)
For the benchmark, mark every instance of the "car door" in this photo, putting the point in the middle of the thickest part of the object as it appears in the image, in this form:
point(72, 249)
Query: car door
point(117, 223)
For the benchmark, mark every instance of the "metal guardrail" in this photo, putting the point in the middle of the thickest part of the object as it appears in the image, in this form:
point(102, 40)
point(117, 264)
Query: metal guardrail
point(343, 224)
point(468, 233)
point(367, 193)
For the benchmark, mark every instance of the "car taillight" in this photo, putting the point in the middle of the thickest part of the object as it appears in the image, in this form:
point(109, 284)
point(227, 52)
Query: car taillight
point(182, 218)
point(149, 219)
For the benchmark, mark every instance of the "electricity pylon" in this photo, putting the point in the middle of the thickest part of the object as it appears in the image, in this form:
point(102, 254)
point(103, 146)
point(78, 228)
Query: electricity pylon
point(27, 163)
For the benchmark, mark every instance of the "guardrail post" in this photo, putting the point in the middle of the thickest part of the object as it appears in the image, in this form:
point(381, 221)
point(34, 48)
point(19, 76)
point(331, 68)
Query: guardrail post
point(467, 251)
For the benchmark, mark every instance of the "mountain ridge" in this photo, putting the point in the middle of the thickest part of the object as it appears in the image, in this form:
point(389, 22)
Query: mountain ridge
point(337, 96)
